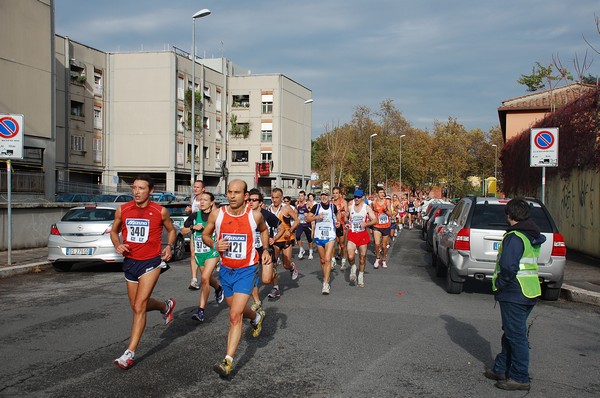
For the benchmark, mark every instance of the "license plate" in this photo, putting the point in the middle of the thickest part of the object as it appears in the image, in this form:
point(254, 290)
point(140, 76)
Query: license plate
point(178, 224)
point(496, 245)
point(77, 251)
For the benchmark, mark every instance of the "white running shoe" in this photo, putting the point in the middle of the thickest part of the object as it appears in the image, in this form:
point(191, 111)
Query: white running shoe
point(310, 254)
point(361, 280)
point(383, 264)
point(301, 253)
point(343, 266)
point(325, 289)
point(333, 263)
point(353, 274)
point(376, 264)
point(294, 271)
point(126, 360)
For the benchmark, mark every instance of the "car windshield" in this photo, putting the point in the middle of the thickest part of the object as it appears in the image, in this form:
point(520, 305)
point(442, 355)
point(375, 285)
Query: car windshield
point(491, 216)
point(177, 210)
point(89, 214)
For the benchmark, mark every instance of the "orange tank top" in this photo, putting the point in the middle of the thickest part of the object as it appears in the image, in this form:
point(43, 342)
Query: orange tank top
point(383, 220)
point(239, 231)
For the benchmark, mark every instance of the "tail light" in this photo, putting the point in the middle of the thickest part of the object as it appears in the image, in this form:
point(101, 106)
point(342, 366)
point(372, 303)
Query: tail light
point(54, 230)
point(559, 248)
point(463, 240)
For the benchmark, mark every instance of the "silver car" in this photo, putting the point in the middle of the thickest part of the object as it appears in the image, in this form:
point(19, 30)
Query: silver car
point(83, 235)
point(468, 244)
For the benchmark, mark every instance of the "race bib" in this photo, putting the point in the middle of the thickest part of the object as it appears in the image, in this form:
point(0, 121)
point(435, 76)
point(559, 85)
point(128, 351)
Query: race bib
point(355, 224)
point(238, 244)
point(324, 232)
point(257, 241)
point(138, 230)
point(383, 218)
point(199, 245)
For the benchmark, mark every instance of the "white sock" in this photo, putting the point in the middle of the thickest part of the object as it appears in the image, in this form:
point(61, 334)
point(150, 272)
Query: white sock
point(257, 319)
point(229, 358)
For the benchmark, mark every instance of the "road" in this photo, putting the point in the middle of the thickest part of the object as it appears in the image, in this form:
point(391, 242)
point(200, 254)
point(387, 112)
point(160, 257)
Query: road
point(402, 335)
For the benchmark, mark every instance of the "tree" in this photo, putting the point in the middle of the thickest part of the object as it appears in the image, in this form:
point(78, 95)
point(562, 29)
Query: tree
point(544, 76)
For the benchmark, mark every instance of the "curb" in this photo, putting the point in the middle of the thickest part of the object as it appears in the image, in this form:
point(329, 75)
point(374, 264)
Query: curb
point(579, 295)
point(6, 272)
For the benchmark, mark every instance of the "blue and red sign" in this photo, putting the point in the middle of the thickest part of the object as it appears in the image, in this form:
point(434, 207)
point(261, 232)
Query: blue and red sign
point(11, 137)
point(544, 147)
point(544, 139)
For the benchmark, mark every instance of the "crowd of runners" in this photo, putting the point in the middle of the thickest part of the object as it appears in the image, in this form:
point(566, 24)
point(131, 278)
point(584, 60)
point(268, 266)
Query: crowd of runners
point(248, 242)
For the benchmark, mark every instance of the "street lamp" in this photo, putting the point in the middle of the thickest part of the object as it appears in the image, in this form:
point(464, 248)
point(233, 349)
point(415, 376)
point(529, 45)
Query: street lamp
point(202, 13)
point(308, 101)
point(370, 159)
point(496, 169)
point(403, 135)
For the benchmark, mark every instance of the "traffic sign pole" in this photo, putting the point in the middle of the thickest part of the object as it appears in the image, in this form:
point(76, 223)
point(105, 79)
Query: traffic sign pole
point(544, 151)
point(9, 226)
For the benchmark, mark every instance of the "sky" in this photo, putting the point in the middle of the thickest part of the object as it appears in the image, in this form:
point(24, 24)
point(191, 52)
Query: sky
point(434, 58)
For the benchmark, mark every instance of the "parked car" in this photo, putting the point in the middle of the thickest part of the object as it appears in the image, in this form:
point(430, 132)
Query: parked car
point(113, 197)
point(437, 232)
point(428, 204)
point(468, 245)
point(83, 234)
point(178, 216)
point(436, 217)
point(74, 197)
point(162, 197)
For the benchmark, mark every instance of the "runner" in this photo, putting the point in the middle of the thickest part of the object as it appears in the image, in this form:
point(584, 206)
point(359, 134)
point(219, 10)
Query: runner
point(381, 230)
point(360, 216)
point(140, 223)
point(412, 212)
point(303, 226)
point(234, 227)
point(324, 215)
point(283, 245)
point(205, 257)
point(275, 232)
point(340, 232)
point(197, 189)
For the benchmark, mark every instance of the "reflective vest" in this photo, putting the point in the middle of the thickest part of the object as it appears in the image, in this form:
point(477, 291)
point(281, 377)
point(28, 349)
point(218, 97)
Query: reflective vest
point(528, 267)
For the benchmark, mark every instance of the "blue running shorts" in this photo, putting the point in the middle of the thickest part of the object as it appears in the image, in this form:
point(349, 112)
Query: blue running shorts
point(238, 280)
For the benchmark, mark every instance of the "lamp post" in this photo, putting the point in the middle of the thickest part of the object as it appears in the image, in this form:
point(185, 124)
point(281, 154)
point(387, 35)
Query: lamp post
point(308, 101)
point(403, 135)
point(496, 169)
point(370, 159)
point(202, 13)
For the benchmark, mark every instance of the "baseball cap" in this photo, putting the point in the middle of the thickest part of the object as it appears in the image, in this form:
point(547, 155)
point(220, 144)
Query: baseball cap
point(359, 193)
point(324, 193)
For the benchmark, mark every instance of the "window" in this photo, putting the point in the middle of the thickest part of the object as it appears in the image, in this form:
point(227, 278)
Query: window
point(218, 103)
point(180, 88)
point(97, 149)
point(189, 153)
point(267, 103)
point(207, 92)
point(206, 152)
point(266, 132)
point(206, 122)
point(180, 152)
point(266, 156)
point(239, 156)
point(77, 108)
point(77, 143)
point(98, 83)
point(180, 127)
point(241, 101)
point(98, 118)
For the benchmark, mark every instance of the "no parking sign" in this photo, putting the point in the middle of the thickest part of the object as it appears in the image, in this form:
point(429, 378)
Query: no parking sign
point(544, 147)
point(11, 136)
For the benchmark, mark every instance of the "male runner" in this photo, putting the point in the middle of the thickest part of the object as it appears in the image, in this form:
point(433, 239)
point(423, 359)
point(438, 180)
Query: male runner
point(360, 216)
point(283, 245)
point(234, 227)
point(140, 223)
point(381, 230)
point(197, 189)
point(324, 215)
point(304, 226)
point(340, 232)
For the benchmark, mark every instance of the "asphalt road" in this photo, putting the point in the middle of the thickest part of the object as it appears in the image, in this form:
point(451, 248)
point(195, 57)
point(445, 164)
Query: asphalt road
point(402, 335)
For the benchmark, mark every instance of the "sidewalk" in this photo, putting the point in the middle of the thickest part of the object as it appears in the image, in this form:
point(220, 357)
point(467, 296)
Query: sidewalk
point(581, 283)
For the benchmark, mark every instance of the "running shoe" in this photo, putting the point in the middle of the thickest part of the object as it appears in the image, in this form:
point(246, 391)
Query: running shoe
point(301, 253)
point(294, 272)
point(353, 274)
point(223, 368)
point(376, 264)
point(256, 306)
point(168, 314)
point(383, 264)
point(125, 361)
point(333, 263)
point(361, 280)
point(274, 293)
point(219, 296)
point(310, 254)
point(325, 289)
point(199, 316)
point(194, 284)
point(343, 266)
point(257, 327)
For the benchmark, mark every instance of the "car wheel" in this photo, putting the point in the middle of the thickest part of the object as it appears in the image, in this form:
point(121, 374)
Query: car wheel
point(61, 266)
point(452, 287)
point(179, 248)
point(550, 293)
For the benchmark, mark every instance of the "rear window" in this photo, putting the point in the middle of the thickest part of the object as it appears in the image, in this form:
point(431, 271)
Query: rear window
point(89, 215)
point(491, 216)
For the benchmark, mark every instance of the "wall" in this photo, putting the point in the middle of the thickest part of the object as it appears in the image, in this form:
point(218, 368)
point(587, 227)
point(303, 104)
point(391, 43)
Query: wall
point(31, 223)
point(575, 206)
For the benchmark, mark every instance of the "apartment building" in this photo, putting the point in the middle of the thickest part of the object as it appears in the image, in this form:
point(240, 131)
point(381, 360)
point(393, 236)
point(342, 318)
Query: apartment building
point(98, 119)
